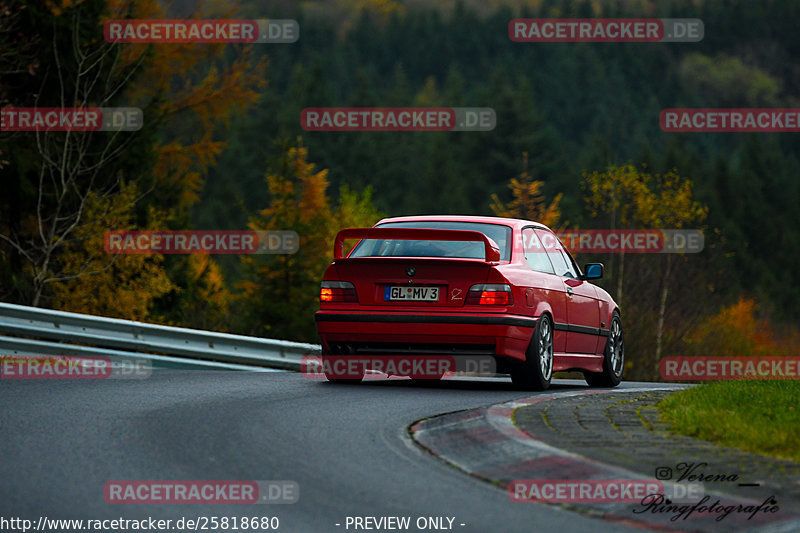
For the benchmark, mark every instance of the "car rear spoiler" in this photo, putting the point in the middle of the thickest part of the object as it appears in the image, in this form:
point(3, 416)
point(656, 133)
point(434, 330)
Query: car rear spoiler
point(491, 249)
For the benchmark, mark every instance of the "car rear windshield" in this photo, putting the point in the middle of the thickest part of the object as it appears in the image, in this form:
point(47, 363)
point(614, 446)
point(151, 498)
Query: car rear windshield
point(407, 248)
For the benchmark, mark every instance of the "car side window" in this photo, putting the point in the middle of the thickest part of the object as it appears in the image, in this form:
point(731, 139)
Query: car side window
point(555, 251)
point(535, 253)
point(571, 261)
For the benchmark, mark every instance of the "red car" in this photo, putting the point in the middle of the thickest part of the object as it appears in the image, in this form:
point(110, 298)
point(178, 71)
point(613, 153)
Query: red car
point(499, 287)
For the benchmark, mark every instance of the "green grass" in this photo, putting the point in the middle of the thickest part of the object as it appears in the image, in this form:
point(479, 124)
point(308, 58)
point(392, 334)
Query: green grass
point(756, 416)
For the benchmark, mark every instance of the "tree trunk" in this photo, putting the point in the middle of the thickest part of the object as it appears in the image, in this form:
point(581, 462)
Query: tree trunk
point(662, 309)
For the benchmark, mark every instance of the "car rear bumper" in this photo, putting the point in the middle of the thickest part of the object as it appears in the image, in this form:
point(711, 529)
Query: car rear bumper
point(500, 335)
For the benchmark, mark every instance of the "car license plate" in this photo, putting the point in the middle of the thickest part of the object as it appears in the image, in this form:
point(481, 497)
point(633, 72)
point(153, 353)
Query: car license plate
point(411, 294)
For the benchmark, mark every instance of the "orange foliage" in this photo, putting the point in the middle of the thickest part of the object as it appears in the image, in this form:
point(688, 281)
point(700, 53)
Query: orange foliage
point(121, 286)
point(528, 200)
point(281, 293)
point(738, 331)
point(187, 102)
point(193, 109)
point(633, 198)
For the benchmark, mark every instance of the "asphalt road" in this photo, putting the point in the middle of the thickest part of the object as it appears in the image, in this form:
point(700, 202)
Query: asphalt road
point(346, 447)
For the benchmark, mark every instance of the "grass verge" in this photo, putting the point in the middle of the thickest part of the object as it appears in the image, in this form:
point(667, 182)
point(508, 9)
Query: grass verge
point(756, 416)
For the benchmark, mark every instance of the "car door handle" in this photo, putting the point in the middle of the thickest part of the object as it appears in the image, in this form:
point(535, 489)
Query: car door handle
point(570, 291)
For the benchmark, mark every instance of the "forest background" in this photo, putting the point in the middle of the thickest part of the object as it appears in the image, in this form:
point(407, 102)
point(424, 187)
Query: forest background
point(577, 145)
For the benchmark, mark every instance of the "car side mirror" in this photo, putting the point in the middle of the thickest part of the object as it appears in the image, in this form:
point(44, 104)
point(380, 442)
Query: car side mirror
point(593, 271)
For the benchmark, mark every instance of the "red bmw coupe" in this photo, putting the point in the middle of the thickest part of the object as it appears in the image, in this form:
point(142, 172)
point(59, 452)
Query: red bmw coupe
point(469, 285)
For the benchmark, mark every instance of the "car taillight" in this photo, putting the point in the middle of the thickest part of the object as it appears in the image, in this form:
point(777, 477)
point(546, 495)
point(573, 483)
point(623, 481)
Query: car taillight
point(337, 291)
point(489, 294)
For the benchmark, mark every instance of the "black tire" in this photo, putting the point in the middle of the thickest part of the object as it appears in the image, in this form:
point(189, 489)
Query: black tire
point(335, 377)
point(536, 371)
point(613, 357)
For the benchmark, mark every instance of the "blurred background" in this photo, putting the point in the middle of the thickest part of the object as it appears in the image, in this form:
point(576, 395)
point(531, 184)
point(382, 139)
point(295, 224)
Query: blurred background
point(577, 145)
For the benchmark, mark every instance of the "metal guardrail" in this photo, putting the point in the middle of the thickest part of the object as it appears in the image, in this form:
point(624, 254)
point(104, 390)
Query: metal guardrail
point(38, 331)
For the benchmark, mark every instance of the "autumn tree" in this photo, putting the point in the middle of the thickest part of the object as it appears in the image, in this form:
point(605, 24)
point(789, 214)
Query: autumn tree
point(627, 197)
point(191, 91)
point(55, 179)
point(528, 201)
point(123, 285)
point(620, 197)
point(673, 207)
point(281, 294)
point(738, 330)
point(54, 175)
